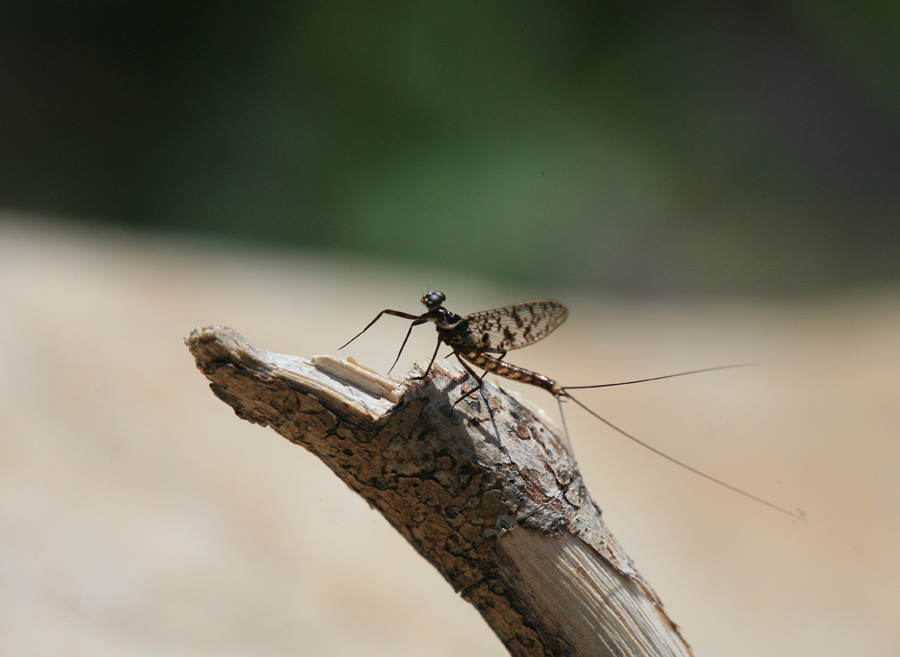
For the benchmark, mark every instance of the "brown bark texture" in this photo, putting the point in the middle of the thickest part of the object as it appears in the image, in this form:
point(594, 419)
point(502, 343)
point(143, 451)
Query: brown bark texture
point(486, 490)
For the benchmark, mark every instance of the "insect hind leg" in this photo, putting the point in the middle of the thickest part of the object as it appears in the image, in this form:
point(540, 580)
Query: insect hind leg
point(474, 375)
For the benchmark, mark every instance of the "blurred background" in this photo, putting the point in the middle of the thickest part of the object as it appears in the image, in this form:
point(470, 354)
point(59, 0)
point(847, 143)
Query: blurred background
point(701, 183)
point(642, 147)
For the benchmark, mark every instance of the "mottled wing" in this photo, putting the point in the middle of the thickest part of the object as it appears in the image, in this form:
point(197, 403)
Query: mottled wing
point(513, 327)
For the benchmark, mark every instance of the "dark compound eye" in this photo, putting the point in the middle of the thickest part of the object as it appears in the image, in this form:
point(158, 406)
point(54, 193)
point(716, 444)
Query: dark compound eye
point(433, 299)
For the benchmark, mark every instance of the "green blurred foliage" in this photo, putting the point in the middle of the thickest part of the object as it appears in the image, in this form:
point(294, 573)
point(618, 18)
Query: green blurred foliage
point(640, 147)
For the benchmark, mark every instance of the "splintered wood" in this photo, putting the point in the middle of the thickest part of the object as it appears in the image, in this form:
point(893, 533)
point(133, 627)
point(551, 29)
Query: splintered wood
point(486, 491)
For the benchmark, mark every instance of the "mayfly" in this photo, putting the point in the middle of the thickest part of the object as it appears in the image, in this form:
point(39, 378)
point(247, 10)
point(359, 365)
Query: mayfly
point(484, 338)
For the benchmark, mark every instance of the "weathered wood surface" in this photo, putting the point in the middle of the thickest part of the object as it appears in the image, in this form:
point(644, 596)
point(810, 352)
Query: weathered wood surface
point(486, 491)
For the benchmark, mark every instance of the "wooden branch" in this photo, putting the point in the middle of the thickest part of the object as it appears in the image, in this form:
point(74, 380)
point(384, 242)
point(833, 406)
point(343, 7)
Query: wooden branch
point(485, 490)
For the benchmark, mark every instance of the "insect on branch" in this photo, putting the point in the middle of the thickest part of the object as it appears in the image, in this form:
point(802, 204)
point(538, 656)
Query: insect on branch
point(485, 491)
point(484, 338)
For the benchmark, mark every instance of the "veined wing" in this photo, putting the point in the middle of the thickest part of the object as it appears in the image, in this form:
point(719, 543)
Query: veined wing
point(513, 327)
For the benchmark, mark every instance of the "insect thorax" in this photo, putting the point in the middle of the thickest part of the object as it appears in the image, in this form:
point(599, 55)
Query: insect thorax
point(457, 335)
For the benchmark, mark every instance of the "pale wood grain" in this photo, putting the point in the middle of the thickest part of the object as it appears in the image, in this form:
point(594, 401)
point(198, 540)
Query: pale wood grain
point(485, 490)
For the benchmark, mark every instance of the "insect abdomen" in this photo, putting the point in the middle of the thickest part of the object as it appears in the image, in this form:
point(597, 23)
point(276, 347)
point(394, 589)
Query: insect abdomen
point(511, 372)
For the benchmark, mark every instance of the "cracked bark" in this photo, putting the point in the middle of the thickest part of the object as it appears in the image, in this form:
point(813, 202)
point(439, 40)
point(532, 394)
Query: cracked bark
point(486, 491)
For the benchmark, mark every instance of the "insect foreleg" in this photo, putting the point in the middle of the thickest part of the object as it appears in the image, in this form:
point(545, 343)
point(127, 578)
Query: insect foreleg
point(395, 313)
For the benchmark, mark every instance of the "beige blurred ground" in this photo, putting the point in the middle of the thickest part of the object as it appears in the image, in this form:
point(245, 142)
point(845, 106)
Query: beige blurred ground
point(139, 516)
